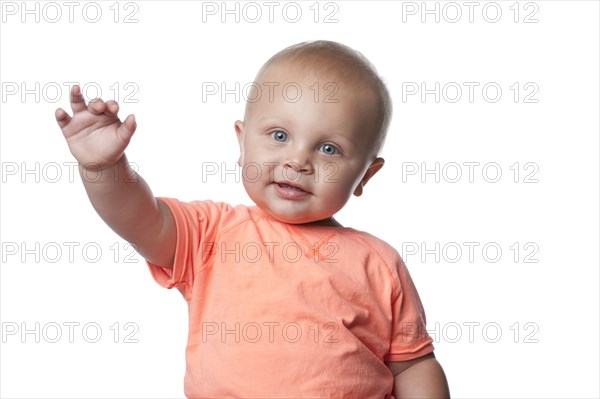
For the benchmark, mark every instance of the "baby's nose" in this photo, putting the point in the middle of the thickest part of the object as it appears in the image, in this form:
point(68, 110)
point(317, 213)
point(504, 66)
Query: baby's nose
point(299, 161)
point(305, 167)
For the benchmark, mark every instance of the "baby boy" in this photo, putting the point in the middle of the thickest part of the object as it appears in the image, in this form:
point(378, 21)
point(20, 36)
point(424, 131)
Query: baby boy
point(284, 302)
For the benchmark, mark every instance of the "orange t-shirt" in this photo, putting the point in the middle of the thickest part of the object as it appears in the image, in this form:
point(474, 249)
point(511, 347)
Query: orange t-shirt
point(289, 311)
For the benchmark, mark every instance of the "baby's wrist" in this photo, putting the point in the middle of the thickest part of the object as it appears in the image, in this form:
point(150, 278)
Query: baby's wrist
point(120, 171)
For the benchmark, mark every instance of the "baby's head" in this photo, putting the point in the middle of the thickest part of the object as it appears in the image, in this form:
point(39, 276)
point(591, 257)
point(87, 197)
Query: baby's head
point(315, 121)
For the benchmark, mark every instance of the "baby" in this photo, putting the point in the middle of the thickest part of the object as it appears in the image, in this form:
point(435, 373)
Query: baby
point(284, 302)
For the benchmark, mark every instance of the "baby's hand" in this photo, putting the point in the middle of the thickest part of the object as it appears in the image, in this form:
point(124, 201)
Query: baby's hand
point(95, 135)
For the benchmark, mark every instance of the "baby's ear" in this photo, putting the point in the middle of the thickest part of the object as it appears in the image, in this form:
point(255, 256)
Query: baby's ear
point(375, 166)
point(239, 131)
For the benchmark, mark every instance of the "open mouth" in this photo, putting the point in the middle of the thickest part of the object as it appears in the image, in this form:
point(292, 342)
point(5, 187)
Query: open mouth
point(291, 191)
point(285, 185)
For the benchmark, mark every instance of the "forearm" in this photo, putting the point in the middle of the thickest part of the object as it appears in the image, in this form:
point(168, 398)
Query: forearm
point(125, 202)
point(425, 379)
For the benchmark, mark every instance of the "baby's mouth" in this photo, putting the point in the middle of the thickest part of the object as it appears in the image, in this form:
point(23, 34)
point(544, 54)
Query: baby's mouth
point(291, 187)
point(288, 186)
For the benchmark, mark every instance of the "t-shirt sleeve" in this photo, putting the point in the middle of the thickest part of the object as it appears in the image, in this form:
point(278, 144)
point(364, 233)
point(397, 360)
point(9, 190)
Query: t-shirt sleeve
point(410, 339)
point(196, 223)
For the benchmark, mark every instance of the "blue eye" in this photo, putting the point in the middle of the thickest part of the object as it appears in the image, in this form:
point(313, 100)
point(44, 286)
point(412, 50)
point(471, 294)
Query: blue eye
point(329, 149)
point(279, 135)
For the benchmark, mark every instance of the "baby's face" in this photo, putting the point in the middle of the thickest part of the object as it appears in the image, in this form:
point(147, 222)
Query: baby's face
point(304, 155)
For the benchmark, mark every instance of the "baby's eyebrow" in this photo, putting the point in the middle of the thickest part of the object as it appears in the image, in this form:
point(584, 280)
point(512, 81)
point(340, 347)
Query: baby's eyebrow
point(272, 119)
point(346, 144)
point(271, 122)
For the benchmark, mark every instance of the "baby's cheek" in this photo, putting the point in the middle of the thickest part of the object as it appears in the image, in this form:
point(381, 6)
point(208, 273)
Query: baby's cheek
point(254, 171)
point(329, 173)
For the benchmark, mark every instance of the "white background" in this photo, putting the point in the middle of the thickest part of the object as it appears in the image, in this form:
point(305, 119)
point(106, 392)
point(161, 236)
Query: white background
point(546, 312)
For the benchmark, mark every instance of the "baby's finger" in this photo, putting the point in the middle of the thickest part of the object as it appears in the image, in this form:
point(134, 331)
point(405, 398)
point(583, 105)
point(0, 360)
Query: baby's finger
point(62, 118)
point(77, 102)
point(112, 108)
point(127, 128)
point(97, 106)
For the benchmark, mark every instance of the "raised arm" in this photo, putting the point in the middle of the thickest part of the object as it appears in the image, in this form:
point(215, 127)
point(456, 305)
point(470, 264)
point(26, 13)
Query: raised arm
point(97, 139)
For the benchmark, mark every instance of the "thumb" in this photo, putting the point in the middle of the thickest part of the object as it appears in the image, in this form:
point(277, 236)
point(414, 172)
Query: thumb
point(127, 128)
